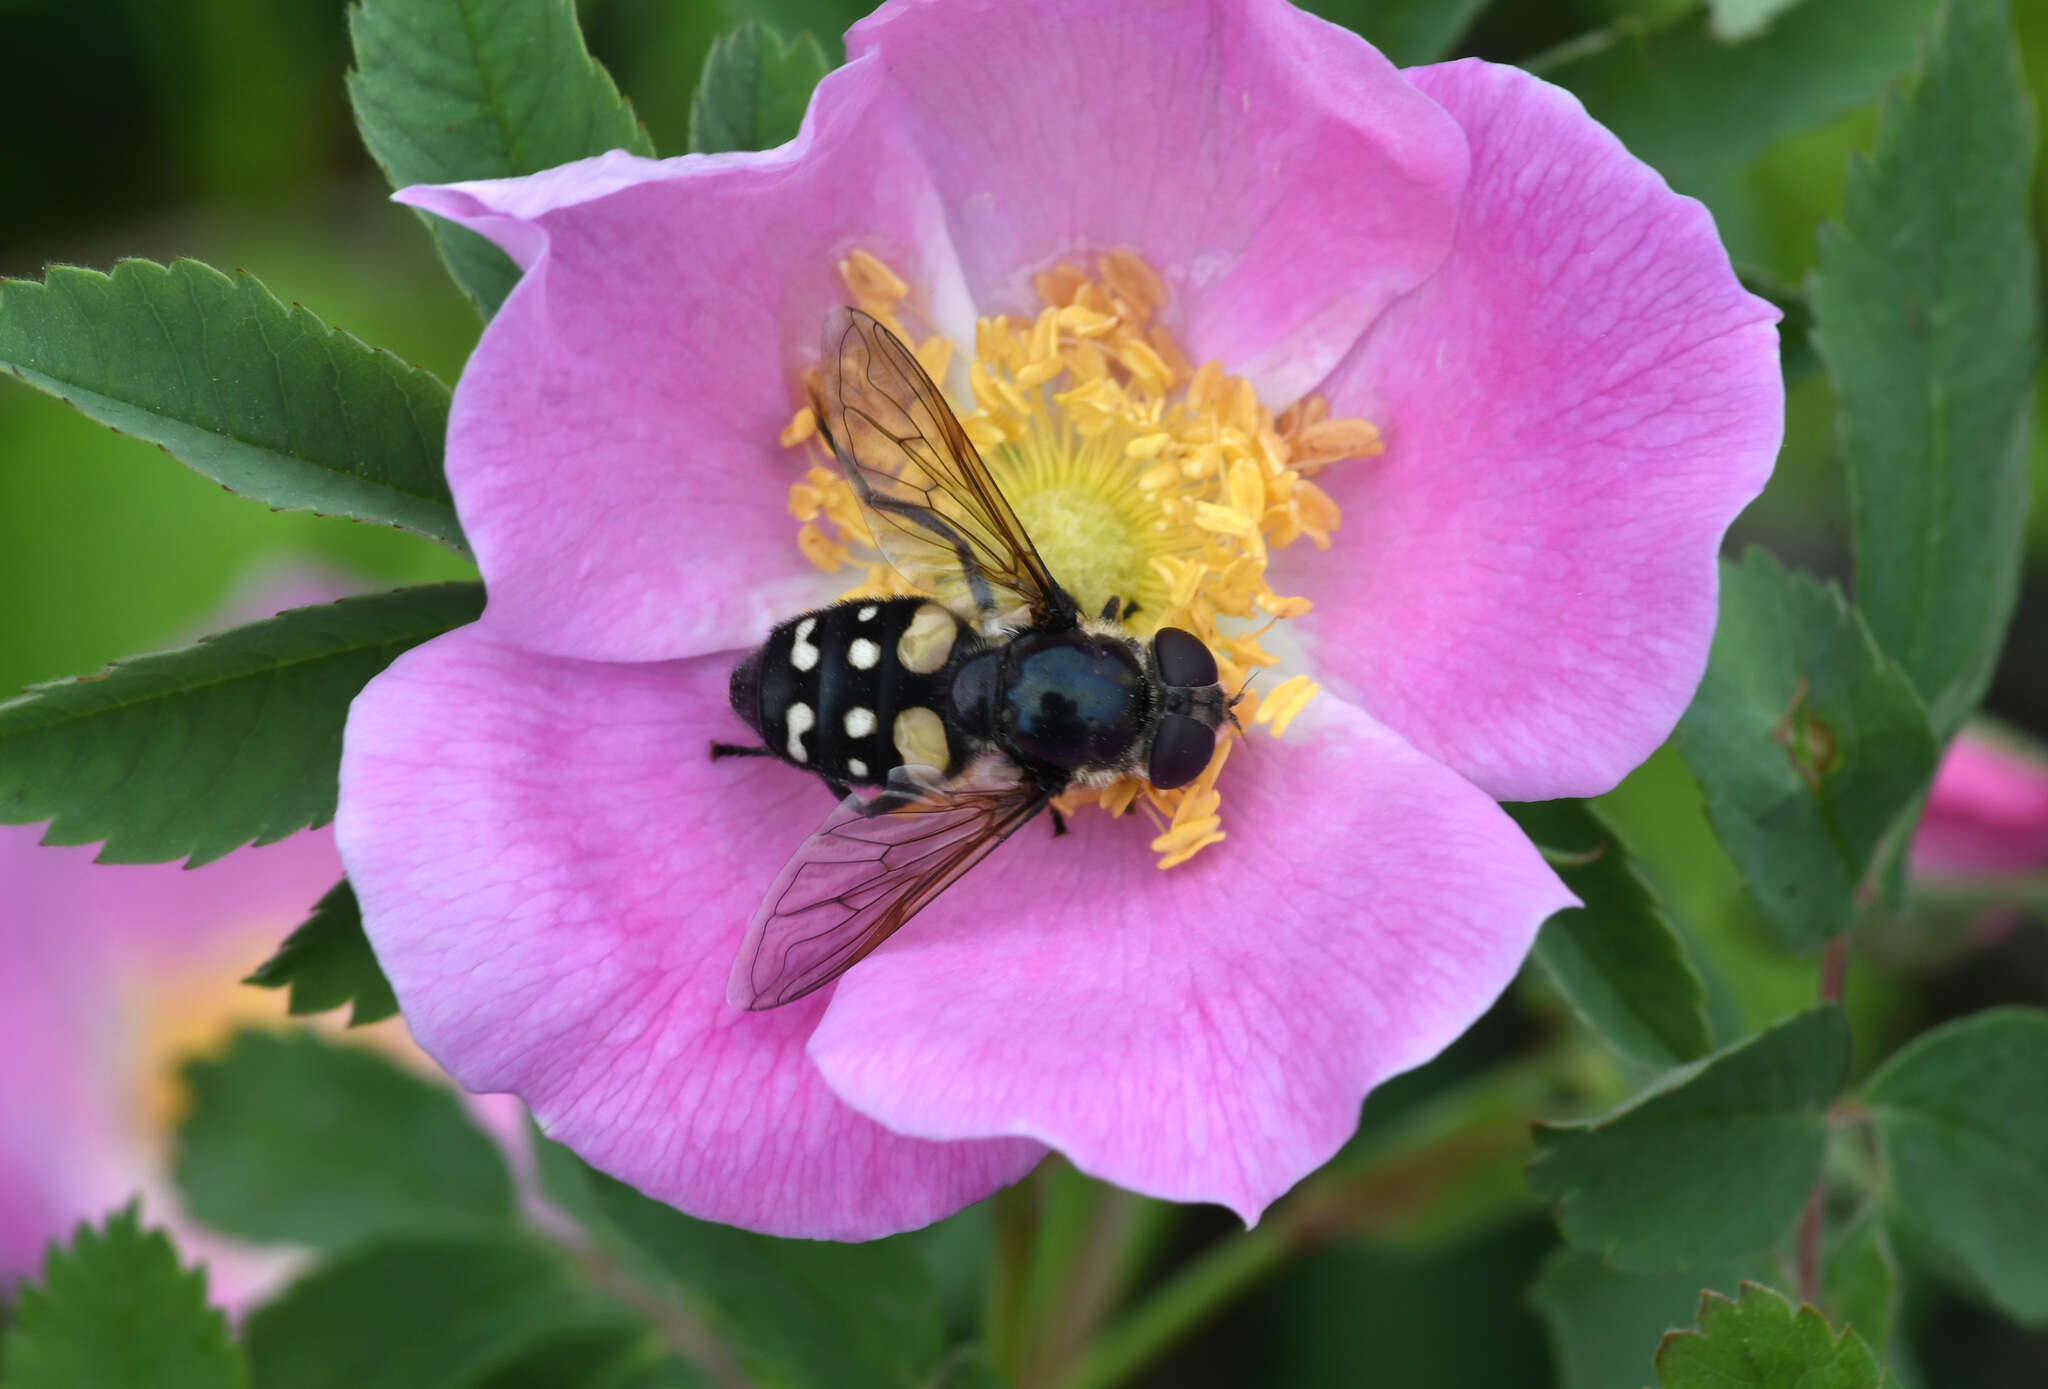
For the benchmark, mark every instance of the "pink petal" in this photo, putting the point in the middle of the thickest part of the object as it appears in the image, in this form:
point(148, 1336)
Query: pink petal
point(612, 446)
point(1987, 814)
point(1575, 409)
point(1206, 1033)
point(555, 876)
point(1281, 174)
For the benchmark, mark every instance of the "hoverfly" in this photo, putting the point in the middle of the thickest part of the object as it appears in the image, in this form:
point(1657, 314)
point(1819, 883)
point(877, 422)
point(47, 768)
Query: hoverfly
point(969, 710)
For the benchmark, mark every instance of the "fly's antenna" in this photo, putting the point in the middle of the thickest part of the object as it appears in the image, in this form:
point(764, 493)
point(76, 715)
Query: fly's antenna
point(1230, 707)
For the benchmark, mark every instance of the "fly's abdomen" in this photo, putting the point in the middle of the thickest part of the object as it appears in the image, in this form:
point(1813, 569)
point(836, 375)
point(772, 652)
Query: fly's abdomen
point(854, 690)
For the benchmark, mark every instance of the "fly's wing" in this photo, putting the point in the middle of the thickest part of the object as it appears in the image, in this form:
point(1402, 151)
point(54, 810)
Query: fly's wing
point(860, 876)
point(936, 513)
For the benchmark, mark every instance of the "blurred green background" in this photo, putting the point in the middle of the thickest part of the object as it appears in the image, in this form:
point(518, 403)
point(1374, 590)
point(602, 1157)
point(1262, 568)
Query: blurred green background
point(219, 129)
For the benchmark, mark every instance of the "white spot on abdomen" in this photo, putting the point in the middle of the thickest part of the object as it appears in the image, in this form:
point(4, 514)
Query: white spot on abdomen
point(863, 654)
point(867, 614)
point(801, 721)
point(859, 722)
point(856, 767)
point(802, 654)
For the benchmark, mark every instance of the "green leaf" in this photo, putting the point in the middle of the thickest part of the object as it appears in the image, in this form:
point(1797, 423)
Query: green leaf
point(1962, 1122)
point(450, 90)
point(1712, 1165)
point(203, 749)
point(266, 400)
point(454, 1311)
point(605, 1353)
point(1759, 1342)
point(1698, 108)
point(1809, 744)
point(294, 1139)
point(1605, 1324)
point(1407, 31)
point(115, 1310)
point(327, 962)
point(1860, 1281)
point(1617, 958)
point(800, 1314)
point(1928, 324)
point(755, 87)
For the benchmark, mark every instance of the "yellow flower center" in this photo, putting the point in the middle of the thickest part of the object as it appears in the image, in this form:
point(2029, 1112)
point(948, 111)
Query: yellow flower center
point(186, 1010)
point(1138, 476)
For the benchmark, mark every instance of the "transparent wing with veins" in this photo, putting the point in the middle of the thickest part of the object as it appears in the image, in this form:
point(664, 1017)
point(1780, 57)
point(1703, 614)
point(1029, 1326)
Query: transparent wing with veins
point(935, 511)
point(856, 880)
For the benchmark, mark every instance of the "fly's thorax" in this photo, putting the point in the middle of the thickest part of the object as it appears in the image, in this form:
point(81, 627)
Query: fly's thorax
point(854, 690)
point(1075, 701)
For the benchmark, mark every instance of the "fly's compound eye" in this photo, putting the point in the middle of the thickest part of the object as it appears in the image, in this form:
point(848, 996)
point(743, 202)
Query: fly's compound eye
point(1181, 747)
point(1181, 659)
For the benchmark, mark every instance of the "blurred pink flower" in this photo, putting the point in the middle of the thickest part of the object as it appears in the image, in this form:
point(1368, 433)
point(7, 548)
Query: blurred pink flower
point(1987, 815)
point(115, 974)
point(1575, 397)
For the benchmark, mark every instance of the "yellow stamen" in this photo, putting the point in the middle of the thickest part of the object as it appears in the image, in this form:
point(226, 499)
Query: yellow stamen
point(869, 278)
point(1139, 475)
point(1287, 699)
point(802, 427)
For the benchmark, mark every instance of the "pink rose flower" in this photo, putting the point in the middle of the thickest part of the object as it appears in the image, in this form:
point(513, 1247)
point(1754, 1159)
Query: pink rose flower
point(1447, 308)
point(115, 974)
point(1987, 815)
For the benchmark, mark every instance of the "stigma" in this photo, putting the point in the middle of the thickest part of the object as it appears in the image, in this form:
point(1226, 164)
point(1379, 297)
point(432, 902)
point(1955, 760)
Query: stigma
point(1138, 475)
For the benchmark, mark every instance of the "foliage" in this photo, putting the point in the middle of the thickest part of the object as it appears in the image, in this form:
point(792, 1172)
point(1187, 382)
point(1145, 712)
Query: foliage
point(795, 1313)
point(1711, 1165)
point(295, 1140)
point(451, 90)
point(1617, 958)
point(263, 398)
point(465, 1310)
point(197, 751)
point(1962, 1120)
point(116, 1310)
point(1697, 107)
point(1752, 1185)
point(1758, 1341)
point(1928, 323)
point(1809, 743)
point(755, 87)
point(327, 962)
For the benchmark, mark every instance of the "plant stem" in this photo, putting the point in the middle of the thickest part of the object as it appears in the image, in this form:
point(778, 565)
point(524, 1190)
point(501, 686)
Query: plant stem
point(673, 1326)
point(1451, 1153)
point(1213, 1281)
point(1834, 968)
point(1989, 894)
point(1014, 1217)
point(1834, 975)
point(1807, 1249)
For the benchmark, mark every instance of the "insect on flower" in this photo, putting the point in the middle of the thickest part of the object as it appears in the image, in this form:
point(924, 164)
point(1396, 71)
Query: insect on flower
point(970, 710)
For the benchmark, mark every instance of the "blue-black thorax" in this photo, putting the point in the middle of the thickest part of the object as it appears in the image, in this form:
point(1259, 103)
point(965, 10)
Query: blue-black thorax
point(1069, 700)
